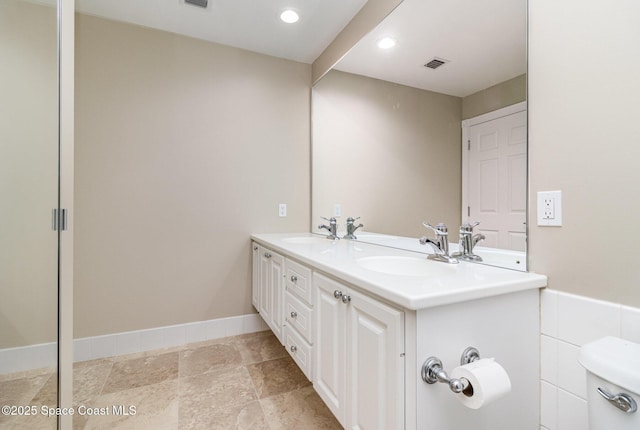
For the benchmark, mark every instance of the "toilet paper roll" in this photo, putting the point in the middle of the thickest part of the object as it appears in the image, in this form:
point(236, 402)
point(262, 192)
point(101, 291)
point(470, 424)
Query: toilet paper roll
point(489, 381)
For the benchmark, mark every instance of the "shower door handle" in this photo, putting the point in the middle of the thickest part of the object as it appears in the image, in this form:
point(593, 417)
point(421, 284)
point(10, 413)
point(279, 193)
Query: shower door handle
point(59, 219)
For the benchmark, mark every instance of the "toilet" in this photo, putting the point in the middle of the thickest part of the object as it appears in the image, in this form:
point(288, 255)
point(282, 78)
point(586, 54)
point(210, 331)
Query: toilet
point(613, 371)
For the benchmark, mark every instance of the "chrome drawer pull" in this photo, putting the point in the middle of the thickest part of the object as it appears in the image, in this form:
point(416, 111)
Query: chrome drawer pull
point(294, 279)
point(337, 294)
point(294, 348)
point(346, 299)
point(294, 314)
point(266, 254)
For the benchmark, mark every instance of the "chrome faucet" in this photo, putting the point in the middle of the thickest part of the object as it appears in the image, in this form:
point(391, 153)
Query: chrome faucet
point(440, 245)
point(351, 228)
point(468, 241)
point(332, 228)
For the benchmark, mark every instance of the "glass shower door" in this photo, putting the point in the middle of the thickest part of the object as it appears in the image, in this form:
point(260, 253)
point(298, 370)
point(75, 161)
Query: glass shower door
point(28, 197)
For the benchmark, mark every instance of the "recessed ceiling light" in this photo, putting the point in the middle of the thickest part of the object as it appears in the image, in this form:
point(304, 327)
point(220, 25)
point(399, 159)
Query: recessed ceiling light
point(386, 43)
point(289, 16)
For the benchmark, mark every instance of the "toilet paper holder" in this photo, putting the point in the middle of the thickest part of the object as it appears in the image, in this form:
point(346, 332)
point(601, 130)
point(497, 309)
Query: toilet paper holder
point(432, 372)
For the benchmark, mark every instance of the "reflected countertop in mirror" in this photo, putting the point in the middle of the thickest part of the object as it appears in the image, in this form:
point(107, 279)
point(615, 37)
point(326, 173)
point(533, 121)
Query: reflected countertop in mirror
point(387, 140)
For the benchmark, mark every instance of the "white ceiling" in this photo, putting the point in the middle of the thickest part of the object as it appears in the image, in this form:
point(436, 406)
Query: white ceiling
point(485, 41)
point(248, 24)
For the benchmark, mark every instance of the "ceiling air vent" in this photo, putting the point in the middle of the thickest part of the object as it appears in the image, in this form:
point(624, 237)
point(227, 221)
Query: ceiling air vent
point(201, 3)
point(435, 62)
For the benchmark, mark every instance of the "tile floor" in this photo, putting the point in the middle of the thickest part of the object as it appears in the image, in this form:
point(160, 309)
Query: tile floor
point(240, 382)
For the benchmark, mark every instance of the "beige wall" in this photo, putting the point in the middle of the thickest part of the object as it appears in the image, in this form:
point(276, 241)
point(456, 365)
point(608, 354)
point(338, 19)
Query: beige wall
point(584, 141)
point(386, 152)
point(28, 174)
point(496, 97)
point(183, 149)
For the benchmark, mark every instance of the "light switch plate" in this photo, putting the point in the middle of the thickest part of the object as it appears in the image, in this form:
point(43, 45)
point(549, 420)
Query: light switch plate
point(337, 210)
point(282, 209)
point(550, 208)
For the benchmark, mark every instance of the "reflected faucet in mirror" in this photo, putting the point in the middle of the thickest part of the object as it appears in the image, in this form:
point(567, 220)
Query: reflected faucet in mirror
point(351, 228)
point(440, 244)
point(332, 228)
point(468, 241)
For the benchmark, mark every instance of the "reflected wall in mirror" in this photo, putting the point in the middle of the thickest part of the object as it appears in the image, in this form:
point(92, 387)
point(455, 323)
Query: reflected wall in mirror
point(387, 131)
point(28, 194)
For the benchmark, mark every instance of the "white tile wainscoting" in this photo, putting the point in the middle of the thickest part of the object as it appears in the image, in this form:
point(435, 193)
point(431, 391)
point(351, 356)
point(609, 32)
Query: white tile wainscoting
point(567, 322)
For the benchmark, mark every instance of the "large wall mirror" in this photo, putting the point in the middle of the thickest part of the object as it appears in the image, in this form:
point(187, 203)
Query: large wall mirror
point(389, 125)
point(28, 194)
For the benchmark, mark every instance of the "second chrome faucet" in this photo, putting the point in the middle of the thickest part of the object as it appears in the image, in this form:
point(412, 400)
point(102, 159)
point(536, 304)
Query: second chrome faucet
point(440, 244)
point(332, 228)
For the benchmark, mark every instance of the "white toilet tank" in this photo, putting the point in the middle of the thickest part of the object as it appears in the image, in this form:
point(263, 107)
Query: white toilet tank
point(613, 366)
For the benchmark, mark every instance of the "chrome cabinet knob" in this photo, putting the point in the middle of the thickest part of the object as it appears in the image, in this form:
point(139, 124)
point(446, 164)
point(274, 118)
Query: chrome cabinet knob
point(294, 278)
point(255, 248)
point(337, 294)
point(267, 255)
point(293, 348)
point(294, 314)
point(346, 299)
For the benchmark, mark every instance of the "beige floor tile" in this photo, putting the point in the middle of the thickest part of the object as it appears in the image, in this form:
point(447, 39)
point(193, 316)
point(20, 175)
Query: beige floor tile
point(215, 384)
point(209, 358)
point(277, 376)
point(21, 391)
point(299, 409)
point(35, 422)
point(261, 346)
point(245, 417)
point(88, 380)
point(215, 392)
point(156, 407)
point(48, 394)
point(139, 372)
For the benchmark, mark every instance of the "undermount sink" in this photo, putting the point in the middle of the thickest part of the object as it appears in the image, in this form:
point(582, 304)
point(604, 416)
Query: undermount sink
point(305, 240)
point(407, 266)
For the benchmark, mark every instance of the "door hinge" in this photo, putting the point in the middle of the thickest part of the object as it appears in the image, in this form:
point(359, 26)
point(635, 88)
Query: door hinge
point(59, 219)
point(469, 145)
point(468, 210)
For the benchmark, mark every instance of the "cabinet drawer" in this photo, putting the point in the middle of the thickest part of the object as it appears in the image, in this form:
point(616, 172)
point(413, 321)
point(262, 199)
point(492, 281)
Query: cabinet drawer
point(299, 280)
point(299, 350)
point(298, 316)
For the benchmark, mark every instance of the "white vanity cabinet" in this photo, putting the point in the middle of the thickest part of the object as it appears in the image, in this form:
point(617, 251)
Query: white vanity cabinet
point(268, 287)
point(359, 357)
point(361, 334)
point(298, 315)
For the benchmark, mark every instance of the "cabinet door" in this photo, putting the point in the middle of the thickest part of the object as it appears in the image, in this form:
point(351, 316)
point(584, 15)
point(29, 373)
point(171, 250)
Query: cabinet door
point(270, 273)
point(264, 305)
point(255, 276)
point(330, 344)
point(276, 294)
point(375, 375)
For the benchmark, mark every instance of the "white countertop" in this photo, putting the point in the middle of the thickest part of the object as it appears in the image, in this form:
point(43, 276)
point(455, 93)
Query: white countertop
point(340, 258)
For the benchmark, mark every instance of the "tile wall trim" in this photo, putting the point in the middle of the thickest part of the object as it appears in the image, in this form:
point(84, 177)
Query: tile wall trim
point(567, 322)
point(90, 348)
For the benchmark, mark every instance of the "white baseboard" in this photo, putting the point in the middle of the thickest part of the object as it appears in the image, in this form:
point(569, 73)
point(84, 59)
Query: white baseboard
point(90, 348)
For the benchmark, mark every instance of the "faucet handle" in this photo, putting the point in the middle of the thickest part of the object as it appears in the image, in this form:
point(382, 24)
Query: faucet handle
point(439, 230)
point(468, 227)
point(332, 219)
point(352, 219)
